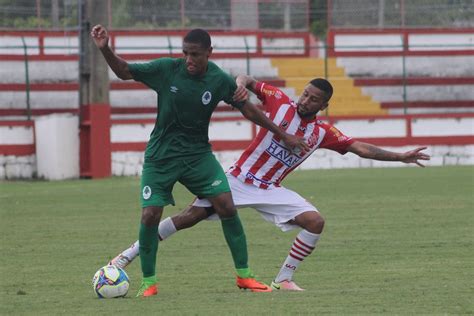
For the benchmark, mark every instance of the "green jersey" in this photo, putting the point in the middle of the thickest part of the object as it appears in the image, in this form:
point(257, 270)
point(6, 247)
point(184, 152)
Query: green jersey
point(185, 105)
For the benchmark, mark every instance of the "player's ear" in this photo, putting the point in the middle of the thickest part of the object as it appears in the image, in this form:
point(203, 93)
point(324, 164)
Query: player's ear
point(209, 52)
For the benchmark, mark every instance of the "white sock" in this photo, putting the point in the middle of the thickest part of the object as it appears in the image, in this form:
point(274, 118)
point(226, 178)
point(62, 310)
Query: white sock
point(302, 247)
point(131, 252)
point(165, 229)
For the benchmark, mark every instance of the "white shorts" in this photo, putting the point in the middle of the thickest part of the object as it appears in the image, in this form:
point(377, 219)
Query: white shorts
point(277, 205)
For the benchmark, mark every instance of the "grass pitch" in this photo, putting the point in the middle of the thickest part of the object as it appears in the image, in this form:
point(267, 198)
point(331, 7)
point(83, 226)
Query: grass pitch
point(396, 241)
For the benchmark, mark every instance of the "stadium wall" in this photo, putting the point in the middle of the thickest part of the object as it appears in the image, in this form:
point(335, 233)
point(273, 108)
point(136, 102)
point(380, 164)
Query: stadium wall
point(437, 67)
point(408, 71)
point(449, 138)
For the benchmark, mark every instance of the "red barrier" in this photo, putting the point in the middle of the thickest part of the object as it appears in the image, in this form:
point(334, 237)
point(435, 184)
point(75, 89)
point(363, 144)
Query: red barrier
point(95, 148)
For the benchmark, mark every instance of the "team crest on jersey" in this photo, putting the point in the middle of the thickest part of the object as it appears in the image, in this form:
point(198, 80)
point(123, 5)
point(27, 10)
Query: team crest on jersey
point(313, 140)
point(284, 124)
point(206, 98)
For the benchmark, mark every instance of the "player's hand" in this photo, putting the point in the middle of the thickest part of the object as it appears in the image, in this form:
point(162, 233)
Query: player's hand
point(100, 36)
point(240, 94)
point(414, 155)
point(297, 144)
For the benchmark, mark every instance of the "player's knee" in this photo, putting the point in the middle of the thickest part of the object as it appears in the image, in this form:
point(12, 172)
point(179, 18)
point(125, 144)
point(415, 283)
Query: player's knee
point(319, 222)
point(225, 208)
point(315, 224)
point(151, 215)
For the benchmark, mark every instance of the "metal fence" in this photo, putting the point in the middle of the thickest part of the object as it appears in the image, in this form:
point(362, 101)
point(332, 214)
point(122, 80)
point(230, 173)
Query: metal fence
point(400, 13)
point(273, 15)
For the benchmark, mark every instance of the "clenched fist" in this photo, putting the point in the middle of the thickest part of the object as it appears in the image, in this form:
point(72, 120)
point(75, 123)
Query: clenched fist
point(100, 36)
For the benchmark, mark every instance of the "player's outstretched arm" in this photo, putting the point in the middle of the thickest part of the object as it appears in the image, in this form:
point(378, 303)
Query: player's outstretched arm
point(101, 39)
point(252, 113)
point(370, 151)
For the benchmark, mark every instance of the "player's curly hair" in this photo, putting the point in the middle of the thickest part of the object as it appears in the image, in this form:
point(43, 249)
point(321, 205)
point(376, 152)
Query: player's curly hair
point(323, 85)
point(198, 36)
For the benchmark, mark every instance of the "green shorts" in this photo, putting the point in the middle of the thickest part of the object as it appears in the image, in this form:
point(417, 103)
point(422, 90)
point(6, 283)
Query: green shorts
point(202, 175)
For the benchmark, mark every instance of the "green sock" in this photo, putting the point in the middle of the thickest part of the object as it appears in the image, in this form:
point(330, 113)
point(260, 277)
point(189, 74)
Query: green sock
point(235, 237)
point(244, 273)
point(149, 280)
point(148, 240)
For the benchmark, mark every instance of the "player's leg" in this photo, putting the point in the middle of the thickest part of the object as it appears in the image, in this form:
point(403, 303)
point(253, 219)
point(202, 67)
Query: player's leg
point(235, 237)
point(305, 242)
point(156, 185)
point(148, 248)
point(287, 210)
point(207, 179)
point(189, 217)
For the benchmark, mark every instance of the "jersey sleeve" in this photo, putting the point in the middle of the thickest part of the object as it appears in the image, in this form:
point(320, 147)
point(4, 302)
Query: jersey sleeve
point(231, 86)
point(151, 73)
point(335, 140)
point(270, 96)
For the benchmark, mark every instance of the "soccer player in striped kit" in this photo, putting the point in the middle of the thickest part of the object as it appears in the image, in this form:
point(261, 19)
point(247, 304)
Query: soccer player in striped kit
point(255, 178)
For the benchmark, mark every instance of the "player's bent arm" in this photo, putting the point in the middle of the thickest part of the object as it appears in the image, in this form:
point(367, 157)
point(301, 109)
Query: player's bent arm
point(370, 151)
point(116, 63)
point(246, 81)
point(252, 113)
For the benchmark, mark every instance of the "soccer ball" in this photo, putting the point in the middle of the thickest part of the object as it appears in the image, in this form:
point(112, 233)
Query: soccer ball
point(110, 281)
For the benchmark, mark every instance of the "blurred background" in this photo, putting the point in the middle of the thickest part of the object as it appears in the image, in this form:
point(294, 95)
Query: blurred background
point(400, 70)
point(277, 15)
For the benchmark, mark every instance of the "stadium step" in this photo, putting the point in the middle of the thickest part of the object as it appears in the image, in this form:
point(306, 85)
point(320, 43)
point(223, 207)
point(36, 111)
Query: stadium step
point(348, 99)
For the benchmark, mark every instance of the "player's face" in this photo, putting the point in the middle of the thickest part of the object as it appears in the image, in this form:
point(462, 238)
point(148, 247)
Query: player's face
point(311, 101)
point(196, 58)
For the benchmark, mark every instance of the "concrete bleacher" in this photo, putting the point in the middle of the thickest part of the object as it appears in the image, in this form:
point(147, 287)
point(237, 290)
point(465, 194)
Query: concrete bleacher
point(364, 85)
point(348, 99)
point(423, 84)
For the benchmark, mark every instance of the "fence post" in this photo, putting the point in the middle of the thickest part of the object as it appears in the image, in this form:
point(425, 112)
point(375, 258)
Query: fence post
point(326, 71)
point(27, 80)
point(170, 46)
point(404, 73)
point(247, 55)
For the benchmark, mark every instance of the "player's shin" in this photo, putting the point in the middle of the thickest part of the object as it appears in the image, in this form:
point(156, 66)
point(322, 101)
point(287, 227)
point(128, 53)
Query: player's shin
point(148, 240)
point(237, 242)
point(122, 260)
point(302, 247)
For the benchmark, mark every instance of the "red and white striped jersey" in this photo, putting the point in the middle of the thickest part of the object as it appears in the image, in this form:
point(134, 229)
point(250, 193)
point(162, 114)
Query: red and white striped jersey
point(266, 161)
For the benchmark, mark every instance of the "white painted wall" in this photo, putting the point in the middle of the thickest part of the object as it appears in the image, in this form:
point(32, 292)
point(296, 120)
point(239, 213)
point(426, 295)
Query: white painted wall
point(13, 45)
point(394, 42)
point(368, 43)
point(131, 163)
point(281, 46)
point(53, 151)
point(443, 127)
point(421, 93)
point(148, 44)
point(415, 66)
point(61, 45)
point(16, 135)
point(67, 71)
point(453, 41)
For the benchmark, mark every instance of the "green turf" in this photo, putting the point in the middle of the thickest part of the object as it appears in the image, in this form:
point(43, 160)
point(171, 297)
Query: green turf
point(396, 241)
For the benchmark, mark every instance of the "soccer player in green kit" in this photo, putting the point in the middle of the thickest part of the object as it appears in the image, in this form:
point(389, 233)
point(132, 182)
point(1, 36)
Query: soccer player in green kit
point(189, 90)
